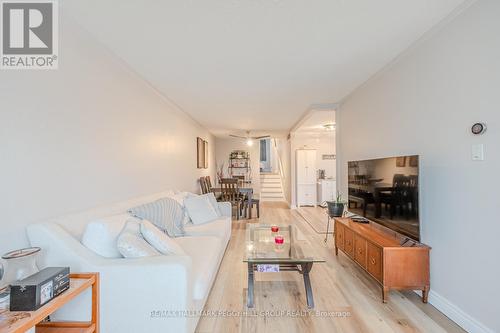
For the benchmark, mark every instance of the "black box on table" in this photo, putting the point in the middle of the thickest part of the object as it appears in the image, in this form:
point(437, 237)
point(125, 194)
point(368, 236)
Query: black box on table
point(34, 291)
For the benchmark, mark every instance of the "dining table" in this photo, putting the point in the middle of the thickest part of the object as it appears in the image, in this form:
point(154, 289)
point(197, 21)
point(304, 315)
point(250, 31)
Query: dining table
point(247, 190)
point(374, 188)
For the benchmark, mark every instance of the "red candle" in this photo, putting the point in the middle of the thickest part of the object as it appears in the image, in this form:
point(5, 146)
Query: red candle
point(279, 239)
point(275, 228)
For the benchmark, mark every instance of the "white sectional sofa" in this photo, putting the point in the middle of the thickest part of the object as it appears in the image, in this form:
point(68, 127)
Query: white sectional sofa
point(137, 295)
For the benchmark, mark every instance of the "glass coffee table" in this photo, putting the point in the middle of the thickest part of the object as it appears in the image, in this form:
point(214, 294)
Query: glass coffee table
point(265, 252)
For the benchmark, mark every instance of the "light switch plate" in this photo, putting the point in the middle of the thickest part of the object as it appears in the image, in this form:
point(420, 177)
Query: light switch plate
point(478, 152)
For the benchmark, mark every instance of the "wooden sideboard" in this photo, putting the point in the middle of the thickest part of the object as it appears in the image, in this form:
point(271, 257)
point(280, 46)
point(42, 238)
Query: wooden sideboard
point(21, 321)
point(393, 260)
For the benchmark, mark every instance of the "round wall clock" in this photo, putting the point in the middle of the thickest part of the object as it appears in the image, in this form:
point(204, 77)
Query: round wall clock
point(478, 128)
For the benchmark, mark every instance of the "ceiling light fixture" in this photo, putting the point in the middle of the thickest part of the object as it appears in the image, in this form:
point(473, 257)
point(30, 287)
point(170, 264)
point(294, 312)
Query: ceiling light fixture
point(249, 142)
point(329, 127)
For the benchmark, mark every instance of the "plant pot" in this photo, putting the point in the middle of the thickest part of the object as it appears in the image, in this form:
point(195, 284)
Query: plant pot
point(335, 209)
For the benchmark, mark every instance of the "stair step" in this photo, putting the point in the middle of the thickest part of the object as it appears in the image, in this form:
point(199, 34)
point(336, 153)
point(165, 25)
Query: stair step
point(272, 192)
point(278, 181)
point(273, 199)
point(270, 185)
point(270, 176)
point(271, 195)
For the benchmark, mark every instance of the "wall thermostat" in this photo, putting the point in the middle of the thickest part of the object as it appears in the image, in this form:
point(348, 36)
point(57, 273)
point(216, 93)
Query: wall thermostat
point(478, 128)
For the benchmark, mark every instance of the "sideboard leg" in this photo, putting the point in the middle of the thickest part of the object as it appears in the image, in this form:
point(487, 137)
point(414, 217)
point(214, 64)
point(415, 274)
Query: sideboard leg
point(425, 294)
point(385, 293)
point(336, 251)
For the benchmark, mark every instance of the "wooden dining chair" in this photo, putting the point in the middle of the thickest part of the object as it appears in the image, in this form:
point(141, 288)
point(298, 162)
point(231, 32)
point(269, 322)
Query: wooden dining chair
point(210, 188)
point(203, 185)
point(255, 202)
point(231, 193)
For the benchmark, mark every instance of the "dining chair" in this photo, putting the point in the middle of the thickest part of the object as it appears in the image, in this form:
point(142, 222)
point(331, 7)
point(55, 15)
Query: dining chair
point(209, 183)
point(255, 202)
point(210, 188)
point(230, 193)
point(203, 185)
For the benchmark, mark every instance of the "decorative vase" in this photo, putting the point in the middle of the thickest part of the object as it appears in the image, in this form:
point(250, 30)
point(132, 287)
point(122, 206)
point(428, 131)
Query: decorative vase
point(335, 209)
point(20, 264)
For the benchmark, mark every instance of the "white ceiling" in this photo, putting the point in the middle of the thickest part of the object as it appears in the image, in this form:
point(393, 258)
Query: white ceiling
point(256, 64)
point(314, 122)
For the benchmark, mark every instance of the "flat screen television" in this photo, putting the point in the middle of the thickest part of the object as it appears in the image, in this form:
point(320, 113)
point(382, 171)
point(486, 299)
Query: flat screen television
point(385, 191)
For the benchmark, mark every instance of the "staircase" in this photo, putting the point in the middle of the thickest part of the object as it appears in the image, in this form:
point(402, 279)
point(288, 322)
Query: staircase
point(271, 188)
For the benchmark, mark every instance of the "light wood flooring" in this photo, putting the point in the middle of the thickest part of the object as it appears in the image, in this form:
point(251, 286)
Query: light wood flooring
point(338, 286)
point(317, 218)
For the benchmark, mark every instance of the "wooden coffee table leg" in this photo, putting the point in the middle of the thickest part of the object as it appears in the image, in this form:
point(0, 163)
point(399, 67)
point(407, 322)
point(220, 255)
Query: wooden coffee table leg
point(306, 268)
point(250, 286)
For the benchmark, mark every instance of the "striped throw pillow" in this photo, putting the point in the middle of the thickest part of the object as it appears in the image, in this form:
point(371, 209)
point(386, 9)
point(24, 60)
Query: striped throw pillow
point(166, 213)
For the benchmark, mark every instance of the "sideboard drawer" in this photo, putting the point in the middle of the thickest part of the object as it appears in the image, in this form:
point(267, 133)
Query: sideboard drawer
point(375, 261)
point(349, 242)
point(360, 250)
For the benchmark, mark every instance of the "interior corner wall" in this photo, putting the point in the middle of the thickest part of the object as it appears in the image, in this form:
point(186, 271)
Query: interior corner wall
point(425, 103)
point(87, 134)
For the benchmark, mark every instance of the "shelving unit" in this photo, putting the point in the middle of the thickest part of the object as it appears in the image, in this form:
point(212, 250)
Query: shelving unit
point(239, 165)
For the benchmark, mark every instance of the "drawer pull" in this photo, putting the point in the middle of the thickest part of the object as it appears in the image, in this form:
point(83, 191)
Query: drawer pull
point(373, 261)
point(360, 251)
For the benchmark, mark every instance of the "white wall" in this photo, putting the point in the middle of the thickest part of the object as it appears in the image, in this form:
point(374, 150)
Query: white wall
point(87, 134)
point(283, 148)
point(324, 144)
point(424, 104)
point(224, 147)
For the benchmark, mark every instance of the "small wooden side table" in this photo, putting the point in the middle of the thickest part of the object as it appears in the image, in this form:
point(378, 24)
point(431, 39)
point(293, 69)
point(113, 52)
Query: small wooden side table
point(20, 322)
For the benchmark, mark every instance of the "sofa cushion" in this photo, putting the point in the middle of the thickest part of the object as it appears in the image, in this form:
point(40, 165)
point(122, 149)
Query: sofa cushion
point(166, 213)
point(180, 197)
point(200, 209)
point(220, 228)
point(101, 235)
point(131, 244)
point(159, 239)
point(205, 253)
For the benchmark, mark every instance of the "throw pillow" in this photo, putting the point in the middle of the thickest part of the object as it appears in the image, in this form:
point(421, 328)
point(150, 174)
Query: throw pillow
point(180, 197)
point(200, 209)
point(131, 244)
point(214, 203)
point(100, 235)
point(165, 213)
point(159, 240)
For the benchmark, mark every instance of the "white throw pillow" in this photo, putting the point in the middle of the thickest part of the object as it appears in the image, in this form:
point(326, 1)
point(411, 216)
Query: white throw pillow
point(180, 197)
point(215, 204)
point(159, 240)
point(200, 209)
point(131, 244)
point(100, 235)
point(166, 213)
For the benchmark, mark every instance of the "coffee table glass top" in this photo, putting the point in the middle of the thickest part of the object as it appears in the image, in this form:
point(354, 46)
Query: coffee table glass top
point(260, 245)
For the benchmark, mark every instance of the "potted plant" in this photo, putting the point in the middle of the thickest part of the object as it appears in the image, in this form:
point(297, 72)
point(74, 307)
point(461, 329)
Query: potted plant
point(336, 208)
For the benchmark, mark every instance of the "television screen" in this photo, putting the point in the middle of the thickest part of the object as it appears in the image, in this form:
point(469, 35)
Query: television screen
point(385, 191)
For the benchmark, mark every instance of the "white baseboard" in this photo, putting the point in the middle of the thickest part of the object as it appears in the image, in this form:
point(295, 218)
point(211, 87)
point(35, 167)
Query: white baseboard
point(456, 314)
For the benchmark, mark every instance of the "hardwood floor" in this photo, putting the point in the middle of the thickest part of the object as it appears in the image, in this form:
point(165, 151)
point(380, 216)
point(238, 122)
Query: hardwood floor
point(339, 287)
point(316, 217)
